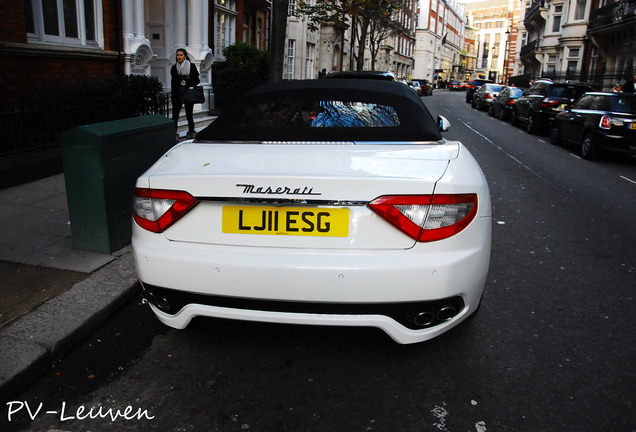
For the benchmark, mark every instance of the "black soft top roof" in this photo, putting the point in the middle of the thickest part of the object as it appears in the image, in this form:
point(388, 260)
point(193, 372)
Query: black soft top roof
point(415, 121)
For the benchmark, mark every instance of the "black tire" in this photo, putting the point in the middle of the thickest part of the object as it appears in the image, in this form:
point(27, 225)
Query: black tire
point(502, 114)
point(514, 120)
point(533, 125)
point(555, 136)
point(589, 148)
point(491, 112)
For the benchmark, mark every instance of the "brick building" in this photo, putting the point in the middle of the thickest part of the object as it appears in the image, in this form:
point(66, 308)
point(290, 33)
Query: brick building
point(46, 48)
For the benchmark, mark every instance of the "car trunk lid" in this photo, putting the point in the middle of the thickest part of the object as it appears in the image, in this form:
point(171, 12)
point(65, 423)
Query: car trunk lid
point(281, 195)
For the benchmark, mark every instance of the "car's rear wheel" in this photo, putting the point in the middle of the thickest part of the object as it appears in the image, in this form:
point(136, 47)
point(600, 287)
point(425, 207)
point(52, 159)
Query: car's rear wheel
point(589, 148)
point(533, 125)
point(555, 135)
point(491, 112)
point(514, 120)
point(502, 114)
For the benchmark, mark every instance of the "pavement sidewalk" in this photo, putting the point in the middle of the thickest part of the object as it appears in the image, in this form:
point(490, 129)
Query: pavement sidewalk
point(36, 235)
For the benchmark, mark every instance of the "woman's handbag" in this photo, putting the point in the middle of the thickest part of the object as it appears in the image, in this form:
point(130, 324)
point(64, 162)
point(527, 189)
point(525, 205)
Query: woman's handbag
point(194, 95)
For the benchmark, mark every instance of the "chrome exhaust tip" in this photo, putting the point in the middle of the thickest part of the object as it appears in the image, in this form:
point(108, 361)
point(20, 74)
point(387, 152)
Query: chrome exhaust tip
point(446, 312)
point(424, 319)
point(160, 302)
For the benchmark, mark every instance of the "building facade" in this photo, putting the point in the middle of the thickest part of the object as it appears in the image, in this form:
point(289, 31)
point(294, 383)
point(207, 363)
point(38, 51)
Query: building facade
point(554, 36)
point(440, 40)
point(493, 23)
point(611, 52)
point(45, 47)
point(303, 48)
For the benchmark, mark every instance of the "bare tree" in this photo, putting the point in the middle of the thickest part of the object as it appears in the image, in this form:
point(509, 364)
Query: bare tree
point(372, 18)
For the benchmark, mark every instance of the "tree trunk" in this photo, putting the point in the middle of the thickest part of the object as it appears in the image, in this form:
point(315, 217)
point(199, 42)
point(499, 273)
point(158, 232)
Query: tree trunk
point(364, 27)
point(277, 42)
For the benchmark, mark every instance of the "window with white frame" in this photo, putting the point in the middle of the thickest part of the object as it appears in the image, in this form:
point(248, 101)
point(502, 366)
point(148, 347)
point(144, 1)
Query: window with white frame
point(291, 49)
point(224, 24)
point(309, 62)
point(593, 59)
point(551, 65)
point(64, 22)
point(292, 8)
point(579, 10)
point(556, 19)
point(573, 60)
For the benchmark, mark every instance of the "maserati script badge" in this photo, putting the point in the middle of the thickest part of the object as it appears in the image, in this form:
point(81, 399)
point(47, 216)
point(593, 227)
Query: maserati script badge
point(281, 190)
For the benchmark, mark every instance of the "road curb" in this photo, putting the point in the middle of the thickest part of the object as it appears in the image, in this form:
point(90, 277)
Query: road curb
point(33, 343)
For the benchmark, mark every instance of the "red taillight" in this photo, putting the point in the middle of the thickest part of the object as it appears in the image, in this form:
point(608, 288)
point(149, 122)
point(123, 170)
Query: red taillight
point(488, 96)
point(605, 123)
point(511, 102)
point(156, 209)
point(427, 218)
point(547, 103)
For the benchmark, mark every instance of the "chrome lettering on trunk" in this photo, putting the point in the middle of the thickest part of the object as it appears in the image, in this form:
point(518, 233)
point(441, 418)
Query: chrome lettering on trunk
point(281, 190)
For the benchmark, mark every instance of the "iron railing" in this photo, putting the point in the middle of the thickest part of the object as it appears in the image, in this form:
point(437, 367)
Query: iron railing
point(35, 127)
point(614, 13)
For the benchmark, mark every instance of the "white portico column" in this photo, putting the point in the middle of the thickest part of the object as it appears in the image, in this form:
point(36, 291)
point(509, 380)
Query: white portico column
point(127, 22)
point(136, 47)
point(139, 18)
point(195, 22)
point(179, 25)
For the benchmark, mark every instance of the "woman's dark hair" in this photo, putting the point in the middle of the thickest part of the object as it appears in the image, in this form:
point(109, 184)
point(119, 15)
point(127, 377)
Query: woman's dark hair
point(183, 50)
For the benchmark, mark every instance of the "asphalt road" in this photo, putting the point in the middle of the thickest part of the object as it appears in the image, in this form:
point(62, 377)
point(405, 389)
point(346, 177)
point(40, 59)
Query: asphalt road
point(552, 349)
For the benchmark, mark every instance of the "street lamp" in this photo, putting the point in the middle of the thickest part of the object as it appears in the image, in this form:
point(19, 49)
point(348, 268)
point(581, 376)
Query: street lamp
point(507, 58)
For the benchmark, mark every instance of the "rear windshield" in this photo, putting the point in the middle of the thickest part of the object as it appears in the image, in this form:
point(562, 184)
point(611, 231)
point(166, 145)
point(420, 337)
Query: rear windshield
point(494, 87)
point(565, 91)
point(316, 114)
point(516, 91)
point(624, 104)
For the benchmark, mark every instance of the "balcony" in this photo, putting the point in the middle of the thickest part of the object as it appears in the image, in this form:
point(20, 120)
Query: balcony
point(621, 13)
point(528, 50)
point(536, 15)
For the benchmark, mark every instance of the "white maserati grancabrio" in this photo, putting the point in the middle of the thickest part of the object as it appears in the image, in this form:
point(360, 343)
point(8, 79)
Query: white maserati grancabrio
point(322, 202)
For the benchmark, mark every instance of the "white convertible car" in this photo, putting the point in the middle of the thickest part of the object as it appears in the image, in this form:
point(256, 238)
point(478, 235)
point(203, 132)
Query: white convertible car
point(323, 202)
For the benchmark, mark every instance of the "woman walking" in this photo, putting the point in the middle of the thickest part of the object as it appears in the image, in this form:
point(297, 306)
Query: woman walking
point(183, 75)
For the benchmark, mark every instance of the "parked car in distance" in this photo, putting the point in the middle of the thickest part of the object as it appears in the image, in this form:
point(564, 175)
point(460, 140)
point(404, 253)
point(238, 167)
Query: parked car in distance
point(540, 104)
point(502, 105)
point(485, 95)
point(320, 202)
point(473, 86)
point(427, 87)
point(463, 85)
point(415, 85)
point(598, 122)
point(454, 85)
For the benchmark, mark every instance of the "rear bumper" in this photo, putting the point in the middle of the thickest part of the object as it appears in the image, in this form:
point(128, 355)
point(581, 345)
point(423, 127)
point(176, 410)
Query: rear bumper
point(425, 275)
point(617, 143)
point(392, 328)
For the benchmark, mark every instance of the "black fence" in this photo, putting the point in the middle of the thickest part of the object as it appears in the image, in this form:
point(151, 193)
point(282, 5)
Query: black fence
point(33, 127)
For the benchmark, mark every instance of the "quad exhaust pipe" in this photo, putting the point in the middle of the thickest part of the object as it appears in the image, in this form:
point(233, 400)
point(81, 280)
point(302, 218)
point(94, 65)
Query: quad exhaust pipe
point(429, 317)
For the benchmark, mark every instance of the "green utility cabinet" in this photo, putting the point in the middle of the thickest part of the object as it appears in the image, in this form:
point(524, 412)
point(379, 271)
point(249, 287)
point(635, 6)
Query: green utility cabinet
point(102, 162)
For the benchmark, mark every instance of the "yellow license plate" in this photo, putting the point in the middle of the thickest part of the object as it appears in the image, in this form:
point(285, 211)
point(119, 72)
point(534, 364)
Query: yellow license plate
point(297, 221)
point(632, 126)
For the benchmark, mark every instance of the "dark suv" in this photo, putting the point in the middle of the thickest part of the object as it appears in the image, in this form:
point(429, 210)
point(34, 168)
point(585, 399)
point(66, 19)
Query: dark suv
point(540, 104)
point(473, 86)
